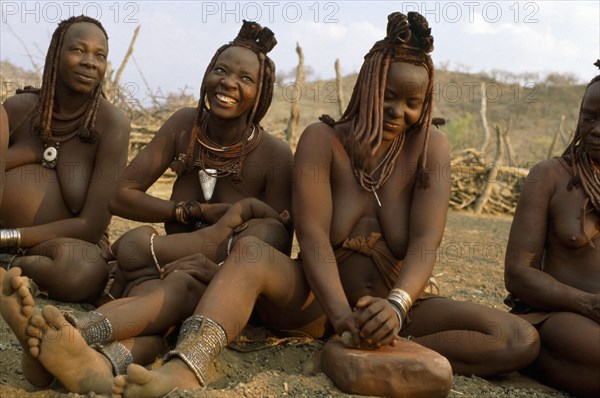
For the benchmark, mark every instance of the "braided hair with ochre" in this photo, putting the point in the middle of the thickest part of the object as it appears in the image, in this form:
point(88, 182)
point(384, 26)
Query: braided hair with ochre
point(42, 114)
point(409, 40)
point(260, 41)
point(585, 170)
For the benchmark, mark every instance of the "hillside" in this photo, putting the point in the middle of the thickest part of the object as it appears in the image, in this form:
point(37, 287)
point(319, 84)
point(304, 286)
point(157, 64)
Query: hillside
point(535, 110)
point(469, 264)
point(534, 105)
point(12, 77)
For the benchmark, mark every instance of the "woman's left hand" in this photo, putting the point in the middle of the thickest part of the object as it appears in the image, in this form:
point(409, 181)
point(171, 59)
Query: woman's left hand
point(197, 265)
point(377, 321)
point(210, 213)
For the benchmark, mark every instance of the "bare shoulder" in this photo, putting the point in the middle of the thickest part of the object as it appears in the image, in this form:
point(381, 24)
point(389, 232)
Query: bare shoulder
point(188, 114)
point(320, 135)
point(551, 169)
point(437, 139)
point(112, 117)
point(181, 121)
point(438, 144)
point(19, 106)
point(546, 176)
point(275, 145)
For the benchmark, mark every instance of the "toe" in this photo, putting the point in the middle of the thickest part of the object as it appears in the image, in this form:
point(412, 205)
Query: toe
point(54, 317)
point(37, 321)
point(23, 290)
point(27, 309)
point(34, 351)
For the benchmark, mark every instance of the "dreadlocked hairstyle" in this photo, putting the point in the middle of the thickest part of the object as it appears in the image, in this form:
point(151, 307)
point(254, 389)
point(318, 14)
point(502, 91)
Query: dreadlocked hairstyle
point(585, 170)
point(260, 41)
point(409, 40)
point(42, 116)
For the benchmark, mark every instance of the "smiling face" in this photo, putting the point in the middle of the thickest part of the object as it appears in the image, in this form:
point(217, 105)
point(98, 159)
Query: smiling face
point(589, 121)
point(82, 58)
point(232, 84)
point(405, 90)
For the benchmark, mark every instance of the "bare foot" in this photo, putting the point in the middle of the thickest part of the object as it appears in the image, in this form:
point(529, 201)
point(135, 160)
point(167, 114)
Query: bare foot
point(62, 350)
point(143, 383)
point(16, 306)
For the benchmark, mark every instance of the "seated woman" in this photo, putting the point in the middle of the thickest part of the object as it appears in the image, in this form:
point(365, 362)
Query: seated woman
point(67, 146)
point(134, 324)
point(368, 229)
point(219, 151)
point(85, 352)
point(553, 257)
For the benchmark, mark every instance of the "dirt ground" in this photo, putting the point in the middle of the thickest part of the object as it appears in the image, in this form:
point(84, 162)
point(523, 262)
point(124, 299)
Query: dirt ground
point(469, 268)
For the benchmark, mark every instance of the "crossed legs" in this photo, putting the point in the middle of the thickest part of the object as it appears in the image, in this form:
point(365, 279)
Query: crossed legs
point(477, 340)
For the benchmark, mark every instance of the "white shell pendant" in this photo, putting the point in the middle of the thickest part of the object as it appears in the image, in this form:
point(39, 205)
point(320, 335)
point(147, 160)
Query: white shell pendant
point(207, 182)
point(50, 157)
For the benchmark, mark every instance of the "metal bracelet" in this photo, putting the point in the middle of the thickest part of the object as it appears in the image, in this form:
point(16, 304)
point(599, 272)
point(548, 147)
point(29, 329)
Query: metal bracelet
point(200, 341)
point(187, 211)
point(179, 215)
point(10, 238)
point(94, 327)
point(401, 299)
point(398, 312)
point(117, 354)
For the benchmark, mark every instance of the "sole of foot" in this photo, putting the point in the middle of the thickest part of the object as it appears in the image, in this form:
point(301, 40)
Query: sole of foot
point(63, 351)
point(17, 305)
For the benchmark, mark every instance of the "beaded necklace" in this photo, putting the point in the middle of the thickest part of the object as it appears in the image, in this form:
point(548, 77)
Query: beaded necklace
point(368, 181)
point(222, 161)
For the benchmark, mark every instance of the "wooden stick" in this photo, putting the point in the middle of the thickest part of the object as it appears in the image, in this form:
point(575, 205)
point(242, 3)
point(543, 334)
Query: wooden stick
point(555, 138)
point(484, 123)
point(292, 127)
point(340, 89)
point(126, 58)
point(491, 175)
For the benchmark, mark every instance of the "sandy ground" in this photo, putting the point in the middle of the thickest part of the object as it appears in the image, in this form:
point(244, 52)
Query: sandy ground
point(469, 268)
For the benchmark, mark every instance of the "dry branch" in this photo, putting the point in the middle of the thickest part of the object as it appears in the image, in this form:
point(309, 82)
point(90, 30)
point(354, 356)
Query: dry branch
point(126, 58)
point(491, 175)
point(36, 67)
point(340, 89)
point(484, 122)
point(559, 131)
point(471, 175)
point(291, 132)
point(510, 151)
point(155, 101)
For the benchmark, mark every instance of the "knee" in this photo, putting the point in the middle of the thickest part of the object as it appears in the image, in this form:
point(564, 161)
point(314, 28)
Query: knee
point(83, 282)
point(252, 253)
point(250, 260)
point(519, 344)
point(134, 241)
point(525, 339)
point(133, 248)
point(184, 284)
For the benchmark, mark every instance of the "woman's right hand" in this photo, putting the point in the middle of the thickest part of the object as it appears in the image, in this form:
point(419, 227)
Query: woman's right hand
point(379, 324)
point(348, 324)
